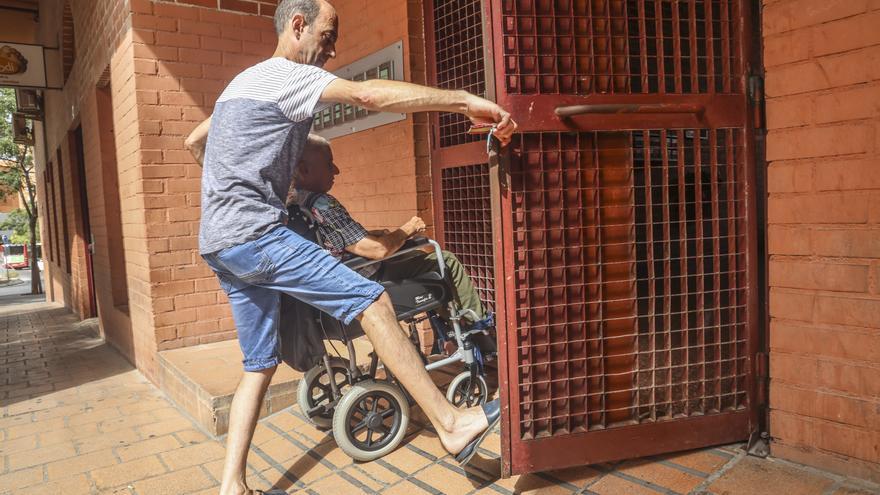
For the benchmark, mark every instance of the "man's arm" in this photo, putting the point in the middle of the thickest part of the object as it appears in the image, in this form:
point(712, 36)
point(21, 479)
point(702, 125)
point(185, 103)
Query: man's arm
point(376, 247)
point(197, 140)
point(396, 96)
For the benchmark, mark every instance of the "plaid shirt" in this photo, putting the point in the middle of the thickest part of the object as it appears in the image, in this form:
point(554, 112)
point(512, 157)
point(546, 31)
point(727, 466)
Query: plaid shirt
point(336, 229)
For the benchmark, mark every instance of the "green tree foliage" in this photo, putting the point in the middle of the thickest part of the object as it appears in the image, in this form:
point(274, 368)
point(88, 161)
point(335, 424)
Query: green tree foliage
point(17, 176)
point(17, 222)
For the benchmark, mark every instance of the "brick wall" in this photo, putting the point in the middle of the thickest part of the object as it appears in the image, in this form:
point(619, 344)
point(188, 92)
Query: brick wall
point(823, 87)
point(184, 56)
point(101, 28)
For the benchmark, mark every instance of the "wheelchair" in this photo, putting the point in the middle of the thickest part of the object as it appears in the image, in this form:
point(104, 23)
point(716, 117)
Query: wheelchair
point(369, 414)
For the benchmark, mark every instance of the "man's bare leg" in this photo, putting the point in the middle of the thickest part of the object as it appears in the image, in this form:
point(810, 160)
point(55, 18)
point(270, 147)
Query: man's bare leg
point(243, 415)
point(456, 427)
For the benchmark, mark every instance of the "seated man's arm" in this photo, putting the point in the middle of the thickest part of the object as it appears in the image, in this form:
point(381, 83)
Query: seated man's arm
point(375, 247)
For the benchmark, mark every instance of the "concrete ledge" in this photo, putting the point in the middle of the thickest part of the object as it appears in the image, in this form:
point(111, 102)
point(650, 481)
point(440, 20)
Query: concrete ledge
point(202, 379)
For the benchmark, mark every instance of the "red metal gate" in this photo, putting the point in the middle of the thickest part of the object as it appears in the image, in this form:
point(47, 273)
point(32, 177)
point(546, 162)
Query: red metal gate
point(624, 238)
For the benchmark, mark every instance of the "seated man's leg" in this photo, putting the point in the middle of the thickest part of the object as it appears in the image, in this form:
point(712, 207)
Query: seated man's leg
point(303, 270)
point(465, 293)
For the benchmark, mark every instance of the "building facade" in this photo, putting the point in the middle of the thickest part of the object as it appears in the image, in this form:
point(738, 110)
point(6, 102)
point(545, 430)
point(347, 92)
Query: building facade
point(120, 195)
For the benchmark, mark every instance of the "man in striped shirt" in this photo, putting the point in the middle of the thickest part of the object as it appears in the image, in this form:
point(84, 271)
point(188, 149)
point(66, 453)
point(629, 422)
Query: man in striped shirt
point(248, 148)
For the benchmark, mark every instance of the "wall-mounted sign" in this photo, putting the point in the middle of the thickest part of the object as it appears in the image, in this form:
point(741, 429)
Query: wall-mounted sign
point(22, 65)
point(340, 119)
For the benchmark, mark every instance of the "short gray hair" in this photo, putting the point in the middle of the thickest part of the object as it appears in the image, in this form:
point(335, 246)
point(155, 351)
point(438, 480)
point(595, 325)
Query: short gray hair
point(288, 8)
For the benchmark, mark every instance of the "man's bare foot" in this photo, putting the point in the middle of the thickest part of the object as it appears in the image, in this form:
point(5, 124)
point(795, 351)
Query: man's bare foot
point(468, 425)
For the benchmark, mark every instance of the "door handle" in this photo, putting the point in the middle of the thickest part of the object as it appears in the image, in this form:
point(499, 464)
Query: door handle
point(566, 112)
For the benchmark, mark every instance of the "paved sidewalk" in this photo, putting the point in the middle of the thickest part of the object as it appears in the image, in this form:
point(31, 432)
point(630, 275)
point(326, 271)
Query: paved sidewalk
point(76, 418)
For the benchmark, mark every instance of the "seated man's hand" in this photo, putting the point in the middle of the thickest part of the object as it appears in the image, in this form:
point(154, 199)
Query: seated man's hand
point(414, 226)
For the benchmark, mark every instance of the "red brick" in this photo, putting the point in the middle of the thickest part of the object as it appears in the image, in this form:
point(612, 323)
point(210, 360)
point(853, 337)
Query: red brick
point(148, 97)
point(142, 66)
point(847, 175)
point(785, 48)
point(198, 328)
point(819, 276)
point(240, 61)
point(258, 23)
point(856, 311)
point(157, 83)
point(831, 207)
point(847, 34)
point(200, 3)
point(176, 11)
point(150, 22)
point(200, 56)
point(143, 36)
point(177, 39)
point(142, 6)
point(217, 17)
point(194, 300)
point(786, 16)
point(858, 103)
point(788, 240)
point(838, 342)
point(815, 142)
point(825, 405)
point(824, 73)
point(791, 305)
point(155, 52)
point(244, 6)
point(788, 178)
point(162, 142)
point(225, 45)
point(794, 111)
point(180, 98)
point(828, 436)
point(239, 33)
point(858, 243)
point(267, 10)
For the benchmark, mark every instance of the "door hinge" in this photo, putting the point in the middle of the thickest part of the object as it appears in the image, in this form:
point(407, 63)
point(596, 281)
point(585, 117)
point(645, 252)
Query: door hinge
point(756, 98)
point(762, 378)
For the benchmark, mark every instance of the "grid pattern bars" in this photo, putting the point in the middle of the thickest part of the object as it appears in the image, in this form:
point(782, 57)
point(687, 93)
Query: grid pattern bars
point(621, 46)
point(467, 225)
point(629, 277)
point(458, 35)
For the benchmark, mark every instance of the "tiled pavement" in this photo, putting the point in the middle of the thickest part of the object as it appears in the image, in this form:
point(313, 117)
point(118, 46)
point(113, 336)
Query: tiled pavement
point(77, 418)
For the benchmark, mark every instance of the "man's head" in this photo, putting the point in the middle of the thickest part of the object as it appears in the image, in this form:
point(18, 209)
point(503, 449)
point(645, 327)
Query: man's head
point(307, 31)
point(315, 171)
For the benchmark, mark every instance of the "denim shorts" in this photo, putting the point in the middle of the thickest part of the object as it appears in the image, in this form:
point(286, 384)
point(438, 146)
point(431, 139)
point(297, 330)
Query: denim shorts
point(255, 273)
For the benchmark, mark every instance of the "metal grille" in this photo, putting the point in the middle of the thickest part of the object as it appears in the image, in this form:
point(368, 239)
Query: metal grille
point(621, 46)
point(467, 225)
point(458, 35)
point(629, 277)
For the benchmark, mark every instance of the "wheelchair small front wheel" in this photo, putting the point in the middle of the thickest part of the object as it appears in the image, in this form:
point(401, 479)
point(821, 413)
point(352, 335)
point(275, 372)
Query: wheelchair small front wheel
point(314, 390)
point(465, 391)
point(371, 420)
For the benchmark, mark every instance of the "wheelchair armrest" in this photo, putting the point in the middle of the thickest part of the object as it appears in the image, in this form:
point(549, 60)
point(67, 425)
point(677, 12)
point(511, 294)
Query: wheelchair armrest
point(412, 244)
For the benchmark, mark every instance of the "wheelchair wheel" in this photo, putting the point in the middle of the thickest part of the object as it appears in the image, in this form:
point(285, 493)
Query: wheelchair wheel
point(314, 390)
point(371, 419)
point(465, 392)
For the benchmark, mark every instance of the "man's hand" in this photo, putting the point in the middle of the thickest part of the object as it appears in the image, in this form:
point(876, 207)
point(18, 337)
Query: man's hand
point(414, 226)
point(482, 111)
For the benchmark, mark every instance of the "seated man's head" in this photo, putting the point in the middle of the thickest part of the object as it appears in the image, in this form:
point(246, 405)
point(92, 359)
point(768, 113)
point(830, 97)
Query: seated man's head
point(316, 170)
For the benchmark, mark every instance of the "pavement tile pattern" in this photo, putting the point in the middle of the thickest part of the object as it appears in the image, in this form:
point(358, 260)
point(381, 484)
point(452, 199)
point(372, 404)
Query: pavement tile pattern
point(76, 418)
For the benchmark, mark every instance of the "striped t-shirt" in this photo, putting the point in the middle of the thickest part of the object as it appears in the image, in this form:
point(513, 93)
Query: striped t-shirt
point(258, 129)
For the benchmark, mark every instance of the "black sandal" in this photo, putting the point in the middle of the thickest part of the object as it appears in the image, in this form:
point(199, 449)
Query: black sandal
point(492, 410)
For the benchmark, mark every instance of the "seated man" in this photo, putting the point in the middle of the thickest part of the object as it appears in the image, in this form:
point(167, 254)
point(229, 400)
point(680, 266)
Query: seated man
point(340, 234)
